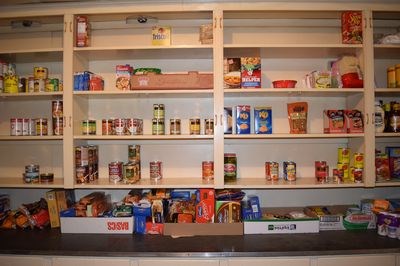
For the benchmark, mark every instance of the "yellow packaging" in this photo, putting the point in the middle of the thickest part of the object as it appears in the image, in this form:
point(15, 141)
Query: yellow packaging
point(11, 84)
point(161, 35)
point(344, 155)
point(51, 198)
point(345, 167)
point(397, 67)
point(391, 77)
point(358, 160)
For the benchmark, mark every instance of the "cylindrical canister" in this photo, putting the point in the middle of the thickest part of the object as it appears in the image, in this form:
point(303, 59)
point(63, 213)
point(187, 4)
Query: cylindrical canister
point(207, 170)
point(289, 171)
point(57, 108)
point(115, 172)
point(321, 171)
point(272, 171)
point(391, 77)
point(40, 72)
point(41, 126)
point(155, 170)
point(11, 84)
point(358, 161)
point(119, 126)
point(208, 126)
point(344, 155)
point(107, 127)
point(158, 127)
point(397, 68)
point(158, 111)
point(58, 126)
point(175, 126)
point(31, 174)
point(134, 153)
point(194, 126)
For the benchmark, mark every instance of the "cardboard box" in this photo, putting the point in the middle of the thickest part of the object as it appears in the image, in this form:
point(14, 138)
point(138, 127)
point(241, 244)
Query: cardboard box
point(97, 225)
point(161, 35)
point(232, 73)
point(192, 229)
point(334, 121)
point(57, 201)
point(250, 72)
point(285, 226)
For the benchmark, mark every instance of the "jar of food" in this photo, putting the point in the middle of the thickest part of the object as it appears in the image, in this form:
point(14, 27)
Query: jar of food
point(208, 126)
point(175, 126)
point(230, 167)
point(41, 126)
point(158, 111)
point(158, 127)
point(194, 128)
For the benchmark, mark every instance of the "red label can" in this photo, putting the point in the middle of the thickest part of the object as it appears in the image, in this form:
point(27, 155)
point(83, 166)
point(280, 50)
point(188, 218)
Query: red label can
point(321, 171)
point(156, 170)
point(207, 170)
point(115, 172)
point(271, 171)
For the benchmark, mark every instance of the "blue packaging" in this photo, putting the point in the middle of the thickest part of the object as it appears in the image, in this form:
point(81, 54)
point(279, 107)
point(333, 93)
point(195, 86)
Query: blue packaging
point(262, 120)
point(251, 209)
point(243, 119)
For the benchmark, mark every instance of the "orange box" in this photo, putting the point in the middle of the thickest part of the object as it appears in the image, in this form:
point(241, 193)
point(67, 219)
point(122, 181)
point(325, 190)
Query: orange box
point(190, 80)
point(205, 209)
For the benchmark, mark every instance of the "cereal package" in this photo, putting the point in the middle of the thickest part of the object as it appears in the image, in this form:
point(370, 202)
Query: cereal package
point(297, 115)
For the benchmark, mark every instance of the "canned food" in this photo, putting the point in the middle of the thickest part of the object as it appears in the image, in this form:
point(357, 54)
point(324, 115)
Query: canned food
point(41, 126)
point(115, 172)
point(134, 126)
point(58, 126)
point(25, 127)
point(156, 170)
point(57, 108)
point(11, 84)
point(38, 85)
point(391, 77)
point(22, 85)
point(119, 126)
point(107, 127)
point(397, 68)
point(272, 171)
point(13, 127)
point(1, 84)
point(32, 127)
point(321, 171)
point(175, 126)
point(289, 171)
point(207, 170)
point(194, 126)
point(358, 175)
point(51, 85)
point(158, 111)
point(358, 160)
point(31, 173)
point(89, 127)
point(344, 155)
point(131, 173)
point(31, 84)
point(158, 127)
point(230, 167)
point(134, 153)
point(82, 174)
point(345, 170)
point(46, 178)
point(40, 72)
point(209, 126)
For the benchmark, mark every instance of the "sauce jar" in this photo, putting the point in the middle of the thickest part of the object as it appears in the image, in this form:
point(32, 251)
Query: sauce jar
point(208, 126)
point(175, 126)
point(230, 167)
point(194, 127)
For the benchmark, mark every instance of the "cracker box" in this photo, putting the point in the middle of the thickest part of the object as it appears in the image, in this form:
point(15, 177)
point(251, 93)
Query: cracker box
point(205, 208)
point(382, 169)
point(394, 161)
point(352, 27)
point(228, 120)
point(263, 120)
point(243, 119)
point(161, 35)
point(334, 121)
point(250, 72)
point(354, 121)
point(232, 73)
point(123, 77)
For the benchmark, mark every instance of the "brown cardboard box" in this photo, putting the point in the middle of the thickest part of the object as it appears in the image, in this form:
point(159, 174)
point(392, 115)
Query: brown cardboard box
point(193, 229)
point(58, 200)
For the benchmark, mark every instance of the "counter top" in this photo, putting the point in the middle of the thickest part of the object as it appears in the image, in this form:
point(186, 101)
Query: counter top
point(53, 243)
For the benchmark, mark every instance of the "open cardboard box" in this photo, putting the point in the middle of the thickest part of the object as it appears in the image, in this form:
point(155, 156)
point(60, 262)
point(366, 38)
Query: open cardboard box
point(278, 226)
point(202, 229)
point(97, 225)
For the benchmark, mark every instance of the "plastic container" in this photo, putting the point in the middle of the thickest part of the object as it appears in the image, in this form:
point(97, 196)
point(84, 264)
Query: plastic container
point(284, 83)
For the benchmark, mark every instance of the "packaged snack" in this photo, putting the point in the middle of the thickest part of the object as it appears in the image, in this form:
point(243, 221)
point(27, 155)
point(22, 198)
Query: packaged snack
point(161, 35)
point(382, 167)
point(354, 121)
point(394, 161)
point(205, 207)
point(334, 121)
point(297, 115)
point(262, 120)
point(250, 72)
point(228, 120)
point(322, 79)
point(123, 75)
point(228, 212)
point(232, 73)
point(352, 27)
point(243, 119)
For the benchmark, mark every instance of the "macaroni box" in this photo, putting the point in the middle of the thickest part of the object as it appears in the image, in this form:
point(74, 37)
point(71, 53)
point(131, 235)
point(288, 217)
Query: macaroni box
point(250, 72)
point(262, 120)
point(243, 119)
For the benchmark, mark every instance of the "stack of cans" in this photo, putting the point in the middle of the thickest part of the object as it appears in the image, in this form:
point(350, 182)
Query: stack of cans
point(158, 125)
point(57, 114)
point(86, 163)
point(132, 171)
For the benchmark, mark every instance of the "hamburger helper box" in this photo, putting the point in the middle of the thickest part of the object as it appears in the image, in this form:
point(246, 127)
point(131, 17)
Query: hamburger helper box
point(278, 222)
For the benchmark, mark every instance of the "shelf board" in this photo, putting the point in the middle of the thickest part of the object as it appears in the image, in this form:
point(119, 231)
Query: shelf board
point(387, 135)
point(262, 92)
point(143, 47)
point(191, 182)
point(144, 137)
point(293, 136)
point(294, 45)
point(308, 182)
point(386, 51)
point(33, 55)
point(17, 182)
point(31, 96)
point(24, 138)
point(387, 92)
point(390, 183)
point(144, 93)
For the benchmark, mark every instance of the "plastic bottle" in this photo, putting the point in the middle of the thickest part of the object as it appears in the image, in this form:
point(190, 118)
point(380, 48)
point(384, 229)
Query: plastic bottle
point(379, 118)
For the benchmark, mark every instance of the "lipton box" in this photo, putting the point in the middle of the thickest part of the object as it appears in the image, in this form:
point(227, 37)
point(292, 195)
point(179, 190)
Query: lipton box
point(277, 222)
point(97, 225)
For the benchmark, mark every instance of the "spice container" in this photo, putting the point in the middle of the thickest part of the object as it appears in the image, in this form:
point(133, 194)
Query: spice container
point(194, 126)
point(158, 127)
point(175, 126)
point(208, 126)
point(230, 167)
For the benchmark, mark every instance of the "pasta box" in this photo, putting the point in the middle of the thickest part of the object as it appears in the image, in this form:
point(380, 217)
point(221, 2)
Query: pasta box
point(394, 161)
point(263, 120)
point(243, 119)
point(250, 72)
point(280, 224)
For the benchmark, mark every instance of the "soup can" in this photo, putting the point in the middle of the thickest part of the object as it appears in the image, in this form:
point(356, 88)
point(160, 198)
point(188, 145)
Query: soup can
point(38, 85)
point(158, 111)
point(272, 171)
point(134, 153)
point(194, 127)
point(119, 126)
point(131, 173)
point(25, 127)
point(358, 160)
point(31, 173)
point(321, 171)
point(344, 155)
point(155, 170)
point(57, 108)
point(58, 126)
point(175, 126)
point(107, 127)
point(208, 126)
point(207, 170)
point(158, 127)
point(289, 171)
point(31, 84)
point(40, 72)
point(11, 84)
point(134, 126)
point(41, 126)
point(115, 172)
point(358, 175)
point(32, 127)
point(337, 175)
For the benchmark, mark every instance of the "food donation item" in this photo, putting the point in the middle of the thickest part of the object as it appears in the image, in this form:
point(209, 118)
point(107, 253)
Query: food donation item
point(297, 114)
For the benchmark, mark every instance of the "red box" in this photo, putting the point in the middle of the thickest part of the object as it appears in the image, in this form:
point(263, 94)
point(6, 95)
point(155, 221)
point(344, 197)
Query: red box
point(205, 209)
point(352, 27)
point(354, 121)
point(334, 121)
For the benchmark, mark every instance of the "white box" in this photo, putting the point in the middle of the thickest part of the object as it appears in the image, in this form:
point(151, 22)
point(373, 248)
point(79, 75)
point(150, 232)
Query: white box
point(281, 226)
point(97, 225)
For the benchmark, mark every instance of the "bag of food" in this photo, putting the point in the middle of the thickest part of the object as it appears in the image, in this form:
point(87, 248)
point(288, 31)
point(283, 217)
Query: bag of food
point(297, 115)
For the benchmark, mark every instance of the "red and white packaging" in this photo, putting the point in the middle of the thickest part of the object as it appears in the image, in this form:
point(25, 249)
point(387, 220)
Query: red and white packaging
point(334, 121)
point(354, 121)
point(205, 208)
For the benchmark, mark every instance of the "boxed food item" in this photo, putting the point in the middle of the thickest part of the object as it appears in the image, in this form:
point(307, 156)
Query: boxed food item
point(334, 121)
point(123, 77)
point(354, 121)
point(227, 211)
point(58, 200)
point(382, 169)
point(297, 115)
point(232, 73)
point(228, 120)
point(251, 209)
point(263, 120)
point(205, 207)
point(243, 119)
point(97, 225)
point(196, 229)
point(352, 27)
point(82, 31)
point(206, 34)
point(250, 72)
point(172, 81)
point(161, 35)
point(282, 220)
point(394, 161)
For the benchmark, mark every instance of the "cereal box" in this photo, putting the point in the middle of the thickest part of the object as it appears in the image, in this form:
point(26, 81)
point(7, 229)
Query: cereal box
point(228, 120)
point(262, 120)
point(123, 75)
point(394, 161)
point(352, 27)
point(334, 121)
point(232, 73)
point(354, 121)
point(161, 35)
point(205, 207)
point(250, 72)
point(243, 119)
